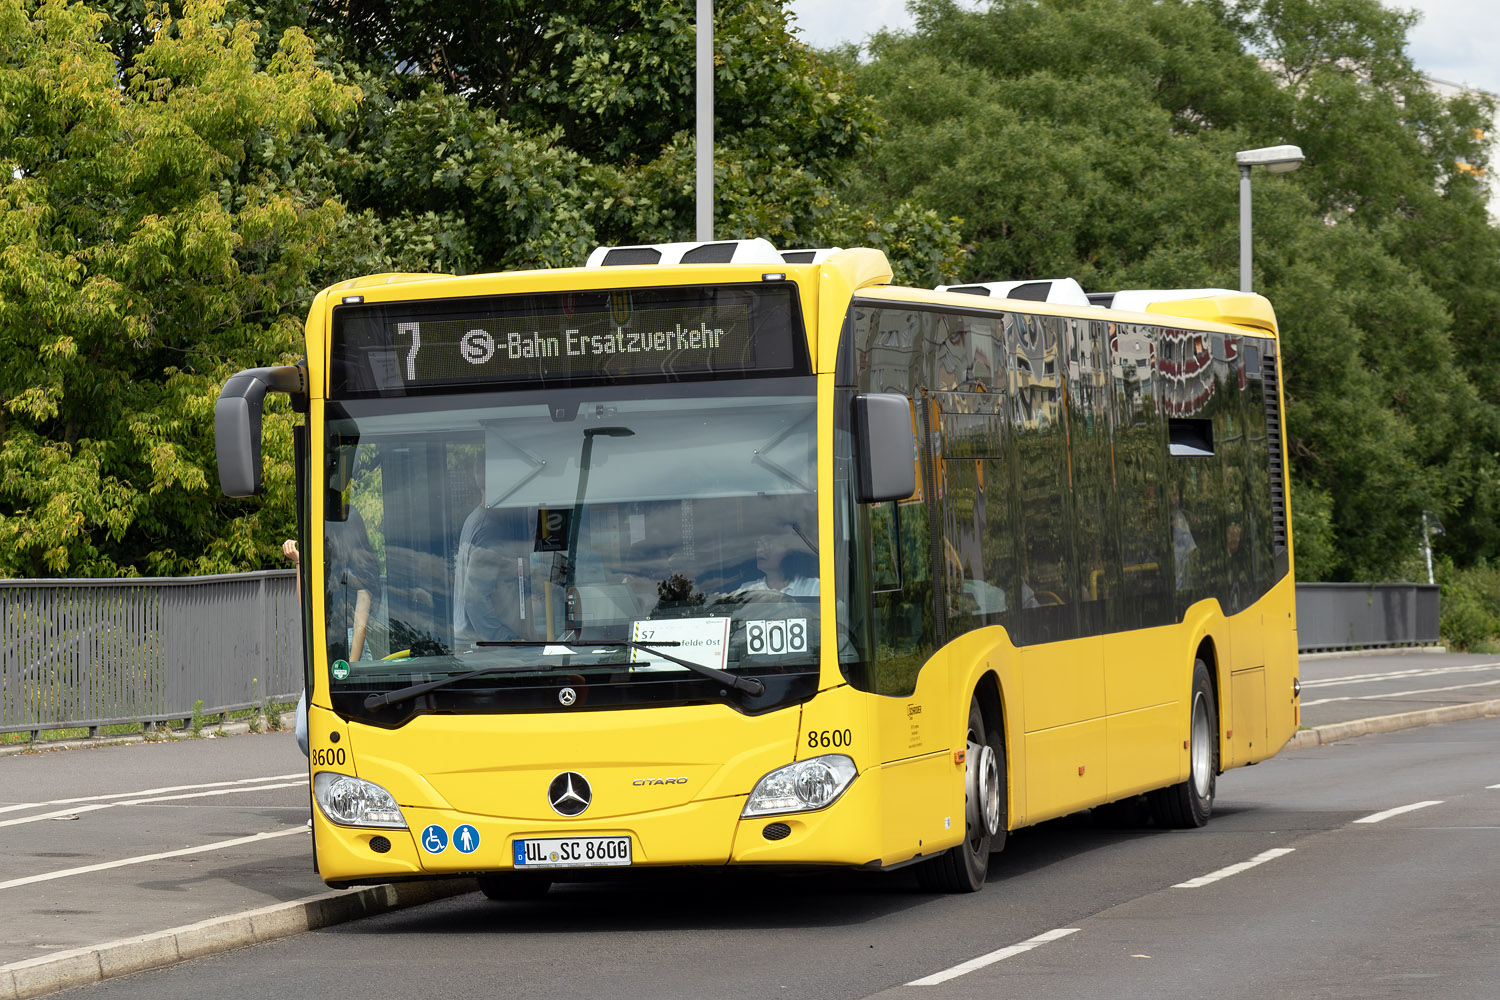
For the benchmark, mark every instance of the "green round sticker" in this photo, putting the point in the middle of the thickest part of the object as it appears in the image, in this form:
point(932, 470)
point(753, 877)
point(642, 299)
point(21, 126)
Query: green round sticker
point(340, 669)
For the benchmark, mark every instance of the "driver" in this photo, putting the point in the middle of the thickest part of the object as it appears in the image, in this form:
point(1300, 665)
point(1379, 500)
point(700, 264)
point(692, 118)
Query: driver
point(787, 564)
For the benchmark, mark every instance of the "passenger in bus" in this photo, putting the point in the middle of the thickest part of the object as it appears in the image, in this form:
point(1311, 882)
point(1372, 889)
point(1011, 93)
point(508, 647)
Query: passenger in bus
point(353, 578)
point(1183, 544)
point(353, 581)
point(788, 566)
point(491, 576)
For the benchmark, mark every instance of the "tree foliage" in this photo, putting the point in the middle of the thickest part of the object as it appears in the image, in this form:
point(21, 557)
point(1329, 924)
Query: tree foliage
point(1095, 139)
point(180, 177)
point(149, 246)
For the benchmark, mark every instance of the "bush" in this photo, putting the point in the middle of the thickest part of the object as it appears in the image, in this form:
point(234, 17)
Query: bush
point(1471, 607)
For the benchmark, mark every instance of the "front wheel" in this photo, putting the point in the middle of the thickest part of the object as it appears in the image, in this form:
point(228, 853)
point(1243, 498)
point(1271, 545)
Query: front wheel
point(963, 868)
point(1189, 803)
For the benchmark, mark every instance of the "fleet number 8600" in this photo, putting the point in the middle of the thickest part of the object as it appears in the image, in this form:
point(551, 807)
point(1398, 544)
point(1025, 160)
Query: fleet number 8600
point(822, 739)
point(328, 758)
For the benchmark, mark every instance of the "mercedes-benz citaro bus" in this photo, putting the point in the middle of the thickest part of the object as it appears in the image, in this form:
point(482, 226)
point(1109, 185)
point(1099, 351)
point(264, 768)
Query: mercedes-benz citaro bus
point(713, 555)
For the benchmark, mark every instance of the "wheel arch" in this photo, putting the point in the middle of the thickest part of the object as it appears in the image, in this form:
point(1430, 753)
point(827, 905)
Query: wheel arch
point(992, 703)
point(1208, 652)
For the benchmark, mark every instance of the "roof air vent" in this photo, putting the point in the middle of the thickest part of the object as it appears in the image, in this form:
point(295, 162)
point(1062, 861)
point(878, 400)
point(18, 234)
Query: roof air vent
point(811, 256)
point(755, 251)
point(1064, 291)
point(1138, 299)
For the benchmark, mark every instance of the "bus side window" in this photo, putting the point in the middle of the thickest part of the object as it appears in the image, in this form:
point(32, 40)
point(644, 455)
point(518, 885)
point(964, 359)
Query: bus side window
point(905, 623)
point(885, 549)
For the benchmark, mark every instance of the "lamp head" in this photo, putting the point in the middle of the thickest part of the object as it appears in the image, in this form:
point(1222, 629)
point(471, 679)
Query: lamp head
point(1276, 159)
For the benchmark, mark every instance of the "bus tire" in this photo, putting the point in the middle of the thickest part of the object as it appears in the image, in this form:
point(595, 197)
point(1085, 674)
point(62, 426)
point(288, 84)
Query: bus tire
point(510, 886)
point(1189, 803)
point(963, 868)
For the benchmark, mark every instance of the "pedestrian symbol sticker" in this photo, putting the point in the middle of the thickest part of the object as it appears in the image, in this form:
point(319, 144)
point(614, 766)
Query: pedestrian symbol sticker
point(466, 838)
point(435, 839)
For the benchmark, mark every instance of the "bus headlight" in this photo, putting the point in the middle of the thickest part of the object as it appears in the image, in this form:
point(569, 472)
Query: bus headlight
point(351, 801)
point(807, 784)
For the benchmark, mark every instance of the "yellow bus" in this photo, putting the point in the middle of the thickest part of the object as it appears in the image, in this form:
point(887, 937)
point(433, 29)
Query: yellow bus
point(714, 555)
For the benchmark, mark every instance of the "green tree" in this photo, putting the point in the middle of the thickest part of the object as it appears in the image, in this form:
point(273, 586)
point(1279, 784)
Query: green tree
point(152, 241)
point(1094, 139)
point(528, 133)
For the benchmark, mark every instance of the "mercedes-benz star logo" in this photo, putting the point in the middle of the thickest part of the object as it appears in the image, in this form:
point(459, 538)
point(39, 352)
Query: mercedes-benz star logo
point(567, 696)
point(569, 793)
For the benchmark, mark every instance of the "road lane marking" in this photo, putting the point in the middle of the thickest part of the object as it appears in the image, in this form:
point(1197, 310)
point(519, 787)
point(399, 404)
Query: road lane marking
point(1377, 817)
point(95, 807)
point(1259, 859)
point(1400, 694)
point(1397, 674)
point(147, 791)
point(995, 956)
point(144, 858)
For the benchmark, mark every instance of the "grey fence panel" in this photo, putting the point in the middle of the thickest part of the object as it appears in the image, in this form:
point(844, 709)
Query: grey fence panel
point(92, 653)
point(1366, 615)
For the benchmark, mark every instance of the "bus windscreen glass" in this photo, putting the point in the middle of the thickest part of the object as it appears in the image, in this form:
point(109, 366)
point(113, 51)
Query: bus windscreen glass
point(578, 337)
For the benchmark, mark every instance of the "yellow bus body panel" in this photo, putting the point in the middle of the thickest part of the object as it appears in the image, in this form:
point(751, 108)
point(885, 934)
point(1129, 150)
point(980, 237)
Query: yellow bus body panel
point(1085, 721)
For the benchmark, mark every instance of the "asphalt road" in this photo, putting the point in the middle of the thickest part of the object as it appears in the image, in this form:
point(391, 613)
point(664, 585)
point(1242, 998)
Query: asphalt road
point(1307, 882)
point(102, 844)
point(1338, 689)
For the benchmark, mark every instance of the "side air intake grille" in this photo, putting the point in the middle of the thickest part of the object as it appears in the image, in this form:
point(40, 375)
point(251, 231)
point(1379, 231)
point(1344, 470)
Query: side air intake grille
point(632, 255)
point(776, 831)
point(1273, 442)
point(710, 253)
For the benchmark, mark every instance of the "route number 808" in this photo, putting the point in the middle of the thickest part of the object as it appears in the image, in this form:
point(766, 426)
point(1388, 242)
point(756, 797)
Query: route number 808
point(775, 637)
point(822, 739)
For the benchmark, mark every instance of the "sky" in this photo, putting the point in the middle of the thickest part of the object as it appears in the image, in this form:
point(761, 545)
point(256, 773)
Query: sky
point(1457, 41)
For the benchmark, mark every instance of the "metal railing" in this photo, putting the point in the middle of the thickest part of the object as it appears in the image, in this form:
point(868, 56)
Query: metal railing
point(93, 653)
point(1366, 615)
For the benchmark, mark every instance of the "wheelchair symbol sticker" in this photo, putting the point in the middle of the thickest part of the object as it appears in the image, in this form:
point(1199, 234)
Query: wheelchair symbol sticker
point(466, 838)
point(435, 839)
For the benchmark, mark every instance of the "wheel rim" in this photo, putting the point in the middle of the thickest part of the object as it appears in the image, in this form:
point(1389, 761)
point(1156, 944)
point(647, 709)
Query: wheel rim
point(982, 803)
point(1202, 753)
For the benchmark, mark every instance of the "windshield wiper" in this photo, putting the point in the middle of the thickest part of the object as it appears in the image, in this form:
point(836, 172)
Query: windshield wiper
point(750, 685)
point(401, 694)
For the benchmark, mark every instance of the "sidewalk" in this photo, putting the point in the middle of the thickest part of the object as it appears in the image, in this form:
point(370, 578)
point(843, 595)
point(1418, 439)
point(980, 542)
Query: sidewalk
point(1453, 688)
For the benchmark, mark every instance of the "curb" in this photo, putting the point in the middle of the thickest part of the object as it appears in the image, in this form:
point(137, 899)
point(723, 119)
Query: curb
point(1323, 735)
point(1344, 654)
point(120, 739)
point(36, 977)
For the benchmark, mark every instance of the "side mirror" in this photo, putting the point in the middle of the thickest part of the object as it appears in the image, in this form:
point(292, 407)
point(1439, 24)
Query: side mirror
point(237, 424)
point(885, 446)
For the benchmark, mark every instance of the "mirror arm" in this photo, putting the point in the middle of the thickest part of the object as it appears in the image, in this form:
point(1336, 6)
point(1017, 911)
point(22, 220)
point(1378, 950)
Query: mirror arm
point(237, 417)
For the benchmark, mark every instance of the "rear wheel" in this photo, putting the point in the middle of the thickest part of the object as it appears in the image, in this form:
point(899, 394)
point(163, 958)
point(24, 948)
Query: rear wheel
point(1189, 803)
point(963, 868)
point(506, 886)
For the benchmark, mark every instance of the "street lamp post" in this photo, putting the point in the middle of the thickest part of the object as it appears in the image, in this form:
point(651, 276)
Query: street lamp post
point(705, 109)
point(1277, 160)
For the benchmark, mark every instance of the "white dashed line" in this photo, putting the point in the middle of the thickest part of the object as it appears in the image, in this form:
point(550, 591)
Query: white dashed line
point(148, 791)
point(95, 807)
point(993, 957)
point(1259, 859)
point(106, 865)
point(1377, 817)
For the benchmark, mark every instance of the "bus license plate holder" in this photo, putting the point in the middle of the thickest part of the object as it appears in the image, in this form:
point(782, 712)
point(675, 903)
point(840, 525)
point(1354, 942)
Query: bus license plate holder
point(572, 852)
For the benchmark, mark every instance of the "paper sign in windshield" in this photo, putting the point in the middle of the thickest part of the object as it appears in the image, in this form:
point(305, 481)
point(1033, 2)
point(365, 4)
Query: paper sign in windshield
point(704, 641)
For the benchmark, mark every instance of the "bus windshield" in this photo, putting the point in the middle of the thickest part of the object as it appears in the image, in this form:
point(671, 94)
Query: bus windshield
point(530, 539)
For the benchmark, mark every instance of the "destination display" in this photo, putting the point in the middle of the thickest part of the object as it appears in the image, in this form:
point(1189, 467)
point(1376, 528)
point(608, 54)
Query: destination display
point(663, 333)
